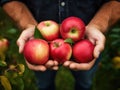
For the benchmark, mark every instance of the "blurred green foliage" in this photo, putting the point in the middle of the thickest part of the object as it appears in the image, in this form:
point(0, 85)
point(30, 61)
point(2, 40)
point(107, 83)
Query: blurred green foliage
point(108, 74)
point(15, 75)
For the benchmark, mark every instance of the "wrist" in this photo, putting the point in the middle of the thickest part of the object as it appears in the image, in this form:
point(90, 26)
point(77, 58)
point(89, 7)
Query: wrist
point(99, 27)
point(92, 27)
point(32, 26)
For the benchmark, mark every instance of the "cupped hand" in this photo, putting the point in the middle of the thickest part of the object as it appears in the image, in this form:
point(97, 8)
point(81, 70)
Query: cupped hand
point(24, 36)
point(51, 64)
point(98, 39)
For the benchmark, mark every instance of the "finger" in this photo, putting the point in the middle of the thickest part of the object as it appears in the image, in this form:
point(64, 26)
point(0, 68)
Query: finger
point(21, 41)
point(49, 64)
point(52, 64)
point(55, 68)
point(25, 35)
point(20, 44)
point(97, 51)
point(99, 47)
point(36, 67)
point(81, 66)
point(32, 38)
point(56, 63)
point(67, 63)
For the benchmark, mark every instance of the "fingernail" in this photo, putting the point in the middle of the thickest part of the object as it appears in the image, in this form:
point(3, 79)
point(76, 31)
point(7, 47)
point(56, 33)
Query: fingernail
point(55, 68)
point(72, 66)
point(97, 54)
point(66, 63)
point(42, 69)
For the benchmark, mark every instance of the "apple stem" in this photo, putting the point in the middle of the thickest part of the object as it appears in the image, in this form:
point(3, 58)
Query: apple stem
point(49, 42)
point(73, 30)
point(47, 24)
point(56, 44)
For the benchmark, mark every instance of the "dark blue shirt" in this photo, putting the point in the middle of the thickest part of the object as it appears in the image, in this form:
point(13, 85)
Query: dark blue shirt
point(58, 10)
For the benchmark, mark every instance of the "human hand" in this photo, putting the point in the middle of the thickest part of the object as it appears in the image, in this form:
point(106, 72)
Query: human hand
point(26, 35)
point(98, 39)
point(51, 64)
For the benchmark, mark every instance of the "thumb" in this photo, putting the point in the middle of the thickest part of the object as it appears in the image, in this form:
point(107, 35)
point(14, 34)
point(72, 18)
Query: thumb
point(97, 50)
point(20, 44)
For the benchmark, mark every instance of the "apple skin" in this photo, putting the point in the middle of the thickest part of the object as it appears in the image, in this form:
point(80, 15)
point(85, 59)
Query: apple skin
point(60, 50)
point(4, 43)
point(72, 27)
point(83, 51)
point(36, 51)
point(49, 29)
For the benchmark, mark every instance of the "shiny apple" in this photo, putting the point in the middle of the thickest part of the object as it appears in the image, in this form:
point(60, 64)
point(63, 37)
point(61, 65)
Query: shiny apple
point(49, 29)
point(60, 51)
point(72, 27)
point(83, 51)
point(36, 51)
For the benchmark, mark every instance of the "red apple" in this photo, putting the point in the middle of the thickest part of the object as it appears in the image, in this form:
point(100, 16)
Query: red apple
point(72, 27)
point(49, 29)
point(83, 51)
point(4, 43)
point(36, 51)
point(60, 51)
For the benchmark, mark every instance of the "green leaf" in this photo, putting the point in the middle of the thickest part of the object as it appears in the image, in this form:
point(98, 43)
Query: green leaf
point(115, 30)
point(11, 74)
point(38, 34)
point(115, 42)
point(3, 63)
point(69, 40)
point(12, 31)
point(5, 83)
point(21, 69)
point(2, 60)
point(114, 36)
point(18, 83)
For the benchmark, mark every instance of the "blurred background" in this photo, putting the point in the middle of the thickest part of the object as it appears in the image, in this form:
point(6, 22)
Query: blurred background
point(14, 74)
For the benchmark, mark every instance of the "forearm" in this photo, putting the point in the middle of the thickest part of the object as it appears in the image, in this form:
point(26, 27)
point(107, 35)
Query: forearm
point(20, 14)
point(108, 15)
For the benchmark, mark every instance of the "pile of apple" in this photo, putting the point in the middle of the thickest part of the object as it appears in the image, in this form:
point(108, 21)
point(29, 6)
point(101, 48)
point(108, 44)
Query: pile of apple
point(56, 43)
